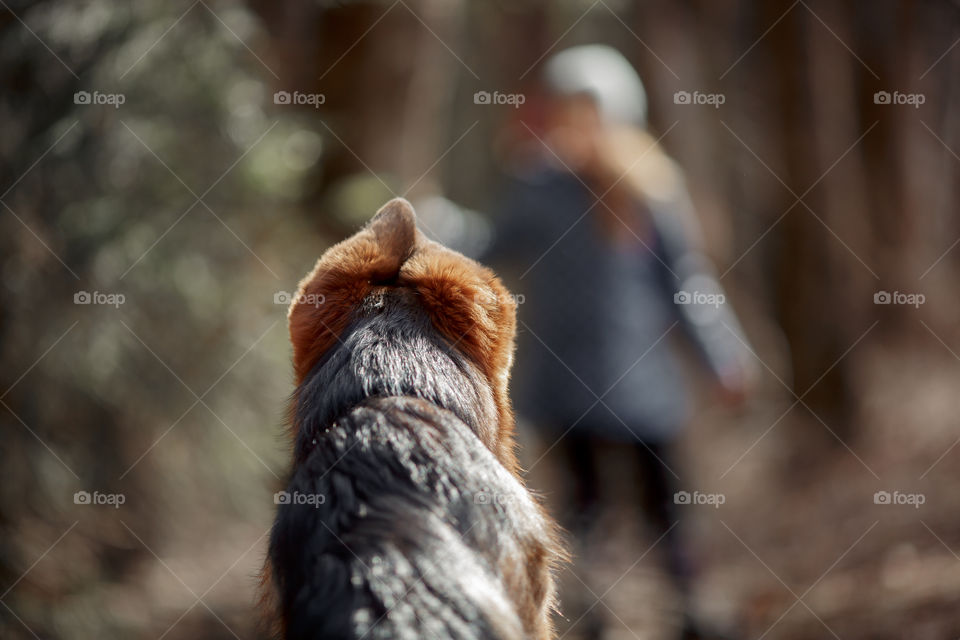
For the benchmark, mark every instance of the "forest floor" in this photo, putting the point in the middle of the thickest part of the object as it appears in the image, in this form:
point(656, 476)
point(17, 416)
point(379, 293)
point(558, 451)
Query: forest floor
point(800, 548)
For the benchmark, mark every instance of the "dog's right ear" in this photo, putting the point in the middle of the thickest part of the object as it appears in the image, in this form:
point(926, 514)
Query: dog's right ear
point(343, 277)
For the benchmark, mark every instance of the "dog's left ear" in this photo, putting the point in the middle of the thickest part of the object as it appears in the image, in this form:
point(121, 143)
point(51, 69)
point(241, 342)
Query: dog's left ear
point(394, 229)
point(342, 278)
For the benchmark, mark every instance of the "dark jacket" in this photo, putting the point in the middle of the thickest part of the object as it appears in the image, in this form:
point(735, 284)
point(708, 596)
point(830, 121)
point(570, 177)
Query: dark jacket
point(598, 321)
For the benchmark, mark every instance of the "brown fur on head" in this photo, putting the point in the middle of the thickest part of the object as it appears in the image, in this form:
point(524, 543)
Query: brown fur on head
point(466, 302)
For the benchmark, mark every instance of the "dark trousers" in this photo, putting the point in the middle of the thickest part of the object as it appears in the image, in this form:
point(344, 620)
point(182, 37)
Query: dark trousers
point(658, 486)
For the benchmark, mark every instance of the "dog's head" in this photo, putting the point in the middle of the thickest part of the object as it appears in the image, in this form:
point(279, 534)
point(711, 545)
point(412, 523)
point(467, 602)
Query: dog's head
point(466, 303)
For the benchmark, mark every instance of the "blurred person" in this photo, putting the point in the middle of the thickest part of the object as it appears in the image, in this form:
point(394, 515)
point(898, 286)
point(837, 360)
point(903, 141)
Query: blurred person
point(599, 218)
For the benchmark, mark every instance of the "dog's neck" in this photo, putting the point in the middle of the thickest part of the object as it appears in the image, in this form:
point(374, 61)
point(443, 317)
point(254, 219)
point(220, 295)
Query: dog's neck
point(391, 349)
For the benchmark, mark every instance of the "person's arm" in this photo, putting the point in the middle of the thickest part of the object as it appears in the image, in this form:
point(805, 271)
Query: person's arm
point(703, 307)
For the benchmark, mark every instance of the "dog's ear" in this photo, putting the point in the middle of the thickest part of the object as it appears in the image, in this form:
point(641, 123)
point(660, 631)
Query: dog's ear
point(469, 305)
point(342, 278)
point(394, 229)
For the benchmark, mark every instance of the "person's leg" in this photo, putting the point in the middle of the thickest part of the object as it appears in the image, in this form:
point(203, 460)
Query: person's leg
point(657, 471)
point(658, 480)
point(578, 453)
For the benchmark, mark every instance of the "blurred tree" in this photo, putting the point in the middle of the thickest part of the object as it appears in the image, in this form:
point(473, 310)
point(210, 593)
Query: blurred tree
point(160, 200)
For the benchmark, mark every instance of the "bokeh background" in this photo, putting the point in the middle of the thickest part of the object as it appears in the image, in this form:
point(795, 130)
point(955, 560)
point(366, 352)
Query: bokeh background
point(185, 200)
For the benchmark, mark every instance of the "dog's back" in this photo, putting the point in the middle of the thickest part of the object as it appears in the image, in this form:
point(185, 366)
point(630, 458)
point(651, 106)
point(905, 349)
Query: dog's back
point(401, 547)
point(405, 518)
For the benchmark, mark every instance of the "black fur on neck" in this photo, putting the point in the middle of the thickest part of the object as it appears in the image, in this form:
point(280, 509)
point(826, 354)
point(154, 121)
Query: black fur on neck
point(391, 349)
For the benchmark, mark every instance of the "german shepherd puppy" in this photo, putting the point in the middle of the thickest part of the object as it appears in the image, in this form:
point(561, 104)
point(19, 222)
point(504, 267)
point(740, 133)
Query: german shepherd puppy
point(404, 515)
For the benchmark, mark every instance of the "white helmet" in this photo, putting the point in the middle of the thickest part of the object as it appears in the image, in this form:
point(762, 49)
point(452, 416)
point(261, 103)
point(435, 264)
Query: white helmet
point(605, 75)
